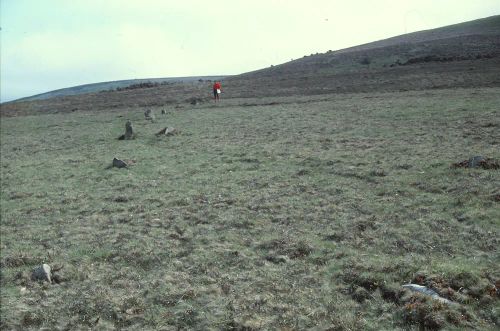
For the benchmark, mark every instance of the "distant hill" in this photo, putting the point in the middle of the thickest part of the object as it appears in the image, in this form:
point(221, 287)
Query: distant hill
point(113, 85)
point(485, 27)
point(457, 56)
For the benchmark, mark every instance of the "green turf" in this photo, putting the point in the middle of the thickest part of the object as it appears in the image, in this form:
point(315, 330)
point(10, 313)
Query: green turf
point(281, 213)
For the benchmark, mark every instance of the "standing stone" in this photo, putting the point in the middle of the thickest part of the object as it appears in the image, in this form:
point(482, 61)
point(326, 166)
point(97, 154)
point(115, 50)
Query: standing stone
point(42, 273)
point(163, 111)
point(148, 114)
point(129, 133)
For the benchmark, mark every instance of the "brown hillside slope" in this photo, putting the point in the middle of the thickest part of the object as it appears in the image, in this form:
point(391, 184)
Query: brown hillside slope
point(461, 55)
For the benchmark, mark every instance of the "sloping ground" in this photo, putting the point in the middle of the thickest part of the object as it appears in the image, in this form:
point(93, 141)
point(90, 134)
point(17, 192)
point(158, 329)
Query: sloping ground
point(294, 213)
point(484, 26)
point(462, 55)
point(155, 96)
point(109, 86)
point(476, 73)
point(469, 40)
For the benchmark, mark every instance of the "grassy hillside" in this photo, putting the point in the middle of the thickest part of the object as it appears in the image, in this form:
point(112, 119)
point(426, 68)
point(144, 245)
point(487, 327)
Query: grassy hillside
point(462, 55)
point(465, 41)
point(489, 26)
point(290, 213)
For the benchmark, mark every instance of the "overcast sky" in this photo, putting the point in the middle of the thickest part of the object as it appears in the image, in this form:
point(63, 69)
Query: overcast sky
point(52, 44)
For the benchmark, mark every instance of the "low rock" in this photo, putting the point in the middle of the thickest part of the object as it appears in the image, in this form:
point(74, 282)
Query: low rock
point(475, 161)
point(169, 131)
point(427, 291)
point(42, 273)
point(117, 163)
point(194, 101)
point(163, 111)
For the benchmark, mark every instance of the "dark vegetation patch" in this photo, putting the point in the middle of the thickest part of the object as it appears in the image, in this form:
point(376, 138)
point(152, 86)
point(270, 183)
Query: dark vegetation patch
point(18, 260)
point(437, 58)
point(142, 86)
point(289, 247)
point(273, 103)
point(478, 162)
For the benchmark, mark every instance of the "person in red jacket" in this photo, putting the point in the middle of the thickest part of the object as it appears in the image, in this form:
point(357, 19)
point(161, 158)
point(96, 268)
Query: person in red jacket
point(217, 91)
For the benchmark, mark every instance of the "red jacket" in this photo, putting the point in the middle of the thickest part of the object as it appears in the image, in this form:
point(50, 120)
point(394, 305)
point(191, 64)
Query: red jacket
point(217, 86)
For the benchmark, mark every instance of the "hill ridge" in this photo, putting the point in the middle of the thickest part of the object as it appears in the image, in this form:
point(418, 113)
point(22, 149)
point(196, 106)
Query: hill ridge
point(462, 55)
point(111, 85)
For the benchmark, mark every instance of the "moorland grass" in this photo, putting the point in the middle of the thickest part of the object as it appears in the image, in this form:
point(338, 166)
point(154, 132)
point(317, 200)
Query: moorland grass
point(291, 213)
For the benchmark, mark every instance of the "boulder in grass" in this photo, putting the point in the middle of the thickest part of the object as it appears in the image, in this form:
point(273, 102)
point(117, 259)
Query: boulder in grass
point(117, 163)
point(169, 131)
point(163, 111)
point(429, 292)
point(42, 273)
point(475, 161)
point(148, 114)
point(195, 101)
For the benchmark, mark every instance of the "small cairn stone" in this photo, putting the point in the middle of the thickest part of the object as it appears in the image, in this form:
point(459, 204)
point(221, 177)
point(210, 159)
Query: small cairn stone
point(163, 112)
point(42, 273)
point(167, 132)
point(475, 162)
point(148, 114)
point(129, 132)
point(117, 163)
point(194, 101)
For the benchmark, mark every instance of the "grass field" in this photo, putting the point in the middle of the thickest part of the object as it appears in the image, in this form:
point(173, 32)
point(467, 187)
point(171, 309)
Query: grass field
point(285, 213)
